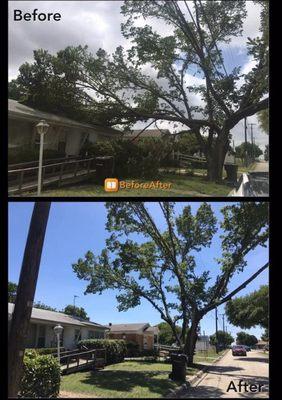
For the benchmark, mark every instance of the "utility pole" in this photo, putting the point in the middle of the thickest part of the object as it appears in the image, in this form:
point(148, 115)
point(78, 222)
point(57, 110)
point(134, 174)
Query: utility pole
point(74, 297)
point(216, 330)
point(25, 295)
point(223, 322)
point(246, 141)
point(252, 141)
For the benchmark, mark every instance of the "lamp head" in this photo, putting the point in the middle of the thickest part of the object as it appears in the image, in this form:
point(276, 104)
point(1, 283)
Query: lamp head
point(58, 329)
point(42, 127)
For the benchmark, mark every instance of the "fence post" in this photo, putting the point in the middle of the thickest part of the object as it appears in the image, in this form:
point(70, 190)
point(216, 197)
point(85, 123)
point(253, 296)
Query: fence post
point(61, 173)
point(21, 181)
point(76, 167)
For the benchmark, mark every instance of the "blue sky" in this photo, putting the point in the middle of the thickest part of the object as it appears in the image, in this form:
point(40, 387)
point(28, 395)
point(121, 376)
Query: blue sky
point(74, 228)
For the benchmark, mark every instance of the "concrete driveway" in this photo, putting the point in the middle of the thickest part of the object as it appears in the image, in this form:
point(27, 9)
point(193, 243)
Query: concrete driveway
point(261, 166)
point(227, 373)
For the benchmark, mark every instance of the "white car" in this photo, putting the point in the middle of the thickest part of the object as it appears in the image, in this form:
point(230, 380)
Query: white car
point(252, 184)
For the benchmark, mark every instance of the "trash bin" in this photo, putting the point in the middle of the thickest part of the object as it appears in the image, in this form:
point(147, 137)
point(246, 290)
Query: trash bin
point(178, 372)
point(231, 171)
point(104, 168)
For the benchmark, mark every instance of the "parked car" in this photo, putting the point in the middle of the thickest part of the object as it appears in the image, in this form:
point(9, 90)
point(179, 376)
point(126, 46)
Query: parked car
point(252, 184)
point(239, 350)
point(247, 348)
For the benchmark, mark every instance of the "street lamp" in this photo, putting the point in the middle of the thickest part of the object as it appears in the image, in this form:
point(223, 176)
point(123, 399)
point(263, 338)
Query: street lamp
point(42, 128)
point(58, 329)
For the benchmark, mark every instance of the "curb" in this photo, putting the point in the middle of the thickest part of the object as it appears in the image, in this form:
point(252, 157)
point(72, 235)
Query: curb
point(175, 393)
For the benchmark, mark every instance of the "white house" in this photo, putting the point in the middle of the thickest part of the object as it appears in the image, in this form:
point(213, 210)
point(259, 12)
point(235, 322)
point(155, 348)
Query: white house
point(41, 333)
point(64, 134)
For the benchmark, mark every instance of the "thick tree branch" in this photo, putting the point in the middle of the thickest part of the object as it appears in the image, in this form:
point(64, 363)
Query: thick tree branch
point(238, 289)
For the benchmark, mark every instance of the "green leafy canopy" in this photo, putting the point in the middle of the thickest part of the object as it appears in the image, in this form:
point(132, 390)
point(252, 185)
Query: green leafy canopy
point(160, 266)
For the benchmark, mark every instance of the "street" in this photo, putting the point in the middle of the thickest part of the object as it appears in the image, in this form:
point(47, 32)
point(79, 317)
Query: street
point(252, 369)
point(261, 166)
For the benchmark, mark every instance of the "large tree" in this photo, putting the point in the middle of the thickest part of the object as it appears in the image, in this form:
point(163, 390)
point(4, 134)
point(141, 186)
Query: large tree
point(12, 292)
point(43, 306)
point(252, 150)
point(221, 339)
point(166, 335)
point(246, 339)
point(162, 267)
point(249, 310)
point(76, 312)
point(151, 80)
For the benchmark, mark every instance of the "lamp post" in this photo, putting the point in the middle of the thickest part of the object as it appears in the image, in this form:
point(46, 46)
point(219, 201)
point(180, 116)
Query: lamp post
point(58, 329)
point(42, 128)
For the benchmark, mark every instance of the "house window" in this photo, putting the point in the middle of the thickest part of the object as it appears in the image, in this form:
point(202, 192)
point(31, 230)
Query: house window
point(91, 335)
point(99, 334)
point(41, 336)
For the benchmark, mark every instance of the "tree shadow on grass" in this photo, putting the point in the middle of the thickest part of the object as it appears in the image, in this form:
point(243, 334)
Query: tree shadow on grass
point(217, 368)
point(203, 392)
point(255, 359)
point(126, 381)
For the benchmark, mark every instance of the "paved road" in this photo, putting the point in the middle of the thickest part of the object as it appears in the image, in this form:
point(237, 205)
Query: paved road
point(214, 384)
point(261, 166)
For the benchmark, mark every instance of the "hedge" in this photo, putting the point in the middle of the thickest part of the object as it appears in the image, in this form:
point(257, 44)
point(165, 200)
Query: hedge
point(44, 350)
point(41, 376)
point(115, 348)
point(132, 349)
point(132, 159)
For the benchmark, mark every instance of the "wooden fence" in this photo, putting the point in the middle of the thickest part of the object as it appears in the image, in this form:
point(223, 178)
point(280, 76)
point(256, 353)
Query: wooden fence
point(21, 179)
point(83, 360)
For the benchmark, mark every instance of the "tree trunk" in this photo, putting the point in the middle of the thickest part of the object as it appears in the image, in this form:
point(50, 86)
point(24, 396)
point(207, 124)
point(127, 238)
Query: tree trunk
point(190, 342)
point(215, 160)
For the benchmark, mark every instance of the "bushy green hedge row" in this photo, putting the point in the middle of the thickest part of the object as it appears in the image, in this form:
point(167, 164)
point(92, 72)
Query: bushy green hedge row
point(115, 348)
point(44, 350)
point(41, 376)
point(132, 159)
point(133, 350)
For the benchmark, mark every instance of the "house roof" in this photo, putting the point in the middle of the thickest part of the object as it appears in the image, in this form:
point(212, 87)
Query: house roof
point(153, 329)
point(16, 109)
point(134, 328)
point(148, 133)
point(57, 317)
point(120, 328)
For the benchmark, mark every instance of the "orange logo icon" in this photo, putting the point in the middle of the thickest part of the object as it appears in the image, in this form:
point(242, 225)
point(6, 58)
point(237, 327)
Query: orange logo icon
point(111, 185)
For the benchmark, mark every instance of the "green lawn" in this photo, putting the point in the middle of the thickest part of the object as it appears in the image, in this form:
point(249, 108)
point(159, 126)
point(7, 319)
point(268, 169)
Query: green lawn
point(137, 379)
point(207, 356)
point(181, 185)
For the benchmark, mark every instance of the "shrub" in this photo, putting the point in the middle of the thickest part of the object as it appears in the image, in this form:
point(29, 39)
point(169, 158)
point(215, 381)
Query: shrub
point(132, 160)
point(49, 350)
point(132, 349)
point(115, 348)
point(43, 350)
point(41, 376)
